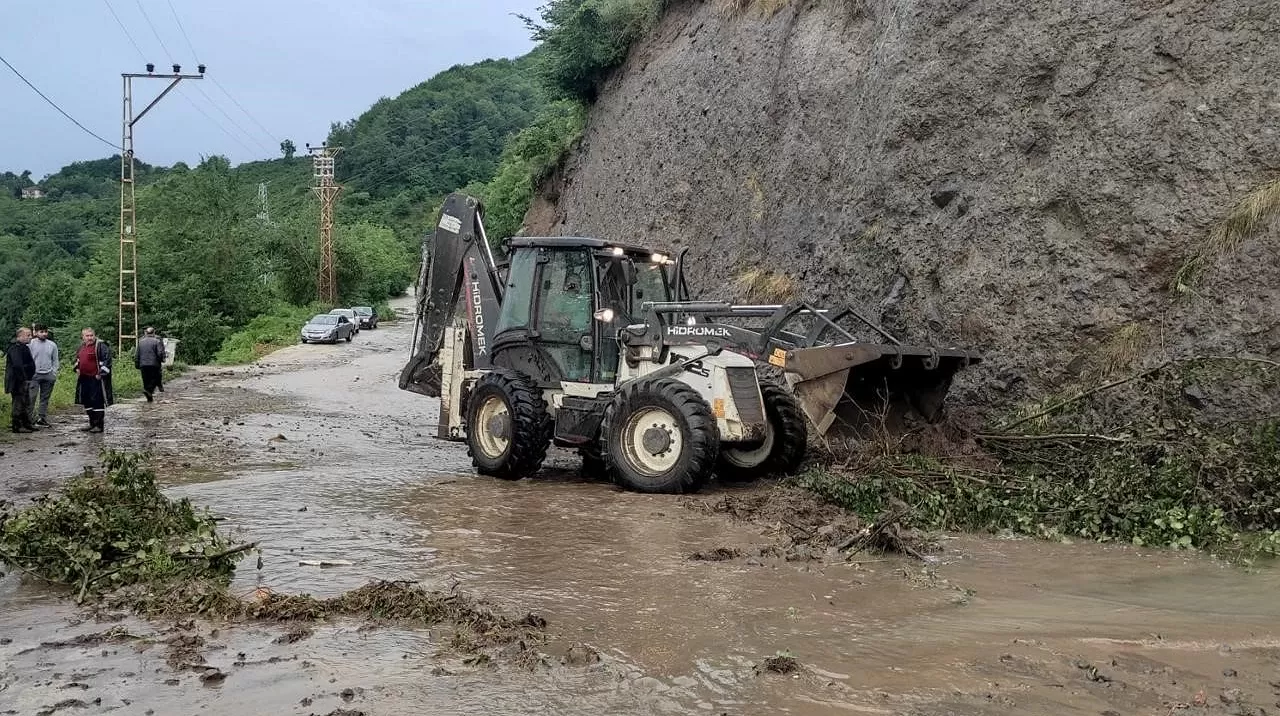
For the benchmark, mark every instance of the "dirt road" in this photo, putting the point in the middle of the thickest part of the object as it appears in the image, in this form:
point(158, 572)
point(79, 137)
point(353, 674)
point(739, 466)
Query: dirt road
point(316, 454)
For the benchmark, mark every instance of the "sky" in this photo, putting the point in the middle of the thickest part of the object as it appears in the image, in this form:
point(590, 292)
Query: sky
point(276, 69)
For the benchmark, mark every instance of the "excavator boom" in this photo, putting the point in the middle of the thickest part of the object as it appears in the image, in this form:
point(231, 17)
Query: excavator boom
point(462, 284)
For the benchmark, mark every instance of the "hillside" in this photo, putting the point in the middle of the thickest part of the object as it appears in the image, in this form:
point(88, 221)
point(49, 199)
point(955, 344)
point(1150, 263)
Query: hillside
point(1052, 184)
point(210, 265)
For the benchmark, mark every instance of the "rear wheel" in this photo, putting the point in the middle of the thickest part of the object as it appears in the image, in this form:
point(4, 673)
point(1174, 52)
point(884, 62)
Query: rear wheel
point(660, 436)
point(786, 437)
point(508, 427)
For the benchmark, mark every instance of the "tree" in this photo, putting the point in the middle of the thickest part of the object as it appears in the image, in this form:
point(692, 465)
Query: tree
point(288, 149)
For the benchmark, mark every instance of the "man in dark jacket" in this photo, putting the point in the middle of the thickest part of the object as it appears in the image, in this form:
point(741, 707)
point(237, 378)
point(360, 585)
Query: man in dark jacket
point(149, 359)
point(19, 371)
point(93, 379)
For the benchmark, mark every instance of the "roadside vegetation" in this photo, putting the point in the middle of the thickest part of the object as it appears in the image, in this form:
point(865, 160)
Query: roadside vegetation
point(116, 541)
point(1167, 457)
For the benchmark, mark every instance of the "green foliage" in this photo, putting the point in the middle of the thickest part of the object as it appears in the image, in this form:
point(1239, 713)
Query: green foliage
point(440, 135)
point(104, 531)
point(532, 156)
point(582, 41)
point(288, 148)
point(1141, 467)
point(266, 333)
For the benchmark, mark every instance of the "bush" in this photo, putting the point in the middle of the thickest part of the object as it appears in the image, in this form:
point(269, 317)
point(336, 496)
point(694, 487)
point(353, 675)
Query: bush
point(534, 154)
point(582, 41)
point(1138, 464)
point(266, 333)
point(104, 531)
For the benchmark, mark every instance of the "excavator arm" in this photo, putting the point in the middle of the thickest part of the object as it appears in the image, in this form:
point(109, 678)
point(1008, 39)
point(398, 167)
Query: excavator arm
point(461, 285)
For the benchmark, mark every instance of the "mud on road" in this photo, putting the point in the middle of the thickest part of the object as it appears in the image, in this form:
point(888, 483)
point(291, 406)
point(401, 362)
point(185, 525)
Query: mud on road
point(316, 455)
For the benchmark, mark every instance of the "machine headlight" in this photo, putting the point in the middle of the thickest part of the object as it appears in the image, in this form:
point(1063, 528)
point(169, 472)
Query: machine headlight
point(604, 314)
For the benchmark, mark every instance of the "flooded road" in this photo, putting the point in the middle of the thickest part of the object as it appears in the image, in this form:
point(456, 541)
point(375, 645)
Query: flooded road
point(316, 455)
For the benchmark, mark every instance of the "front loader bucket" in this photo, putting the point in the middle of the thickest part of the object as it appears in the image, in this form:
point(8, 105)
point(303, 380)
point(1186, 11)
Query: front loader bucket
point(854, 387)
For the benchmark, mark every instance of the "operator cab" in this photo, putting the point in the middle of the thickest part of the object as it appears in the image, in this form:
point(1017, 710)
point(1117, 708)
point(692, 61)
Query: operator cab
point(556, 289)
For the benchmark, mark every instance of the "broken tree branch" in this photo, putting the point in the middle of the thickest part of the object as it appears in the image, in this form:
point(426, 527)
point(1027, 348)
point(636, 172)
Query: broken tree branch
point(224, 553)
point(1082, 395)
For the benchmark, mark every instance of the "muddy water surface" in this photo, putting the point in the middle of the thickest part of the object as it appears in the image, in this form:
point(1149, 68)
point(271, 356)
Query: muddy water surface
point(317, 455)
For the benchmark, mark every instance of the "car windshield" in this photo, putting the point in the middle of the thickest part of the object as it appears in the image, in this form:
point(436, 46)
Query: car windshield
point(363, 311)
point(342, 312)
point(324, 319)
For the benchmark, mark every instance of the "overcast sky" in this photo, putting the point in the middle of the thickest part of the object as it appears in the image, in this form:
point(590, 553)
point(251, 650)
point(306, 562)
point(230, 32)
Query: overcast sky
point(296, 66)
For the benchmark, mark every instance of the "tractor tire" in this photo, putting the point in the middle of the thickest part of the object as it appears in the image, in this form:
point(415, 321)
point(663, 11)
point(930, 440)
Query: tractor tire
point(785, 442)
point(659, 436)
point(508, 427)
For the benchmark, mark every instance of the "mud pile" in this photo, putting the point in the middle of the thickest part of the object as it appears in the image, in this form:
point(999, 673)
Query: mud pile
point(1023, 178)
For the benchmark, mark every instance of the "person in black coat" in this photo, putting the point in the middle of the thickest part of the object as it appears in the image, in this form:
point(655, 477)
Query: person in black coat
point(93, 379)
point(19, 371)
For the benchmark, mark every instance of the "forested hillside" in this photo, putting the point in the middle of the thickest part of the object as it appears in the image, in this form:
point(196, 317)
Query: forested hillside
point(210, 264)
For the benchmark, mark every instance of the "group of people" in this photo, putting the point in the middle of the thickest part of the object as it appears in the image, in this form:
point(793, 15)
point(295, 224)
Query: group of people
point(31, 369)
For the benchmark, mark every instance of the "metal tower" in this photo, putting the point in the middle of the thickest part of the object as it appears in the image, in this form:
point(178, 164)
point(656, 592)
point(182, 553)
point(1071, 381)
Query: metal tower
point(327, 191)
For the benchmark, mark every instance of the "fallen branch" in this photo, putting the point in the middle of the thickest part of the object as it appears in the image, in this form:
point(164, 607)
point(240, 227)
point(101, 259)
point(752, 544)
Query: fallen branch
point(1052, 436)
point(1081, 396)
point(224, 553)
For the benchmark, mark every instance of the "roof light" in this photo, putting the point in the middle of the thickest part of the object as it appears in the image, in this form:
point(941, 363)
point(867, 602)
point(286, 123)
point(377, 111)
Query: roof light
point(658, 258)
point(617, 251)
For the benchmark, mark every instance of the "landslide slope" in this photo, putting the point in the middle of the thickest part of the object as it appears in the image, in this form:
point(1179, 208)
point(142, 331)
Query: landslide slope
point(1020, 176)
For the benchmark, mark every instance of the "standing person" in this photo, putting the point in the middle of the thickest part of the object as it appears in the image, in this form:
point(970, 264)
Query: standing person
point(19, 369)
point(93, 379)
point(45, 353)
point(149, 358)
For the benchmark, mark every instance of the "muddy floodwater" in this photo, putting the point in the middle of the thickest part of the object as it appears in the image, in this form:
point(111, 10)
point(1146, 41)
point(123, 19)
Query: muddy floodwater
point(316, 455)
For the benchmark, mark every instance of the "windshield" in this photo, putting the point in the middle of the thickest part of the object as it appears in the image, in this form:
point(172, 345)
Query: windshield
point(324, 319)
point(342, 312)
point(363, 311)
point(651, 285)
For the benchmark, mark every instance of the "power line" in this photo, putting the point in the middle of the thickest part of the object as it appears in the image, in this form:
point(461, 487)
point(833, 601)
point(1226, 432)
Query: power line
point(137, 47)
point(182, 28)
point(194, 54)
point(147, 17)
point(265, 131)
point(53, 104)
point(234, 123)
point(216, 123)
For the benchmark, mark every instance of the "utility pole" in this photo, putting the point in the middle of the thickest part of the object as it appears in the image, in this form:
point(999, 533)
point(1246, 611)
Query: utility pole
point(127, 305)
point(325, 188)
point(264, 213)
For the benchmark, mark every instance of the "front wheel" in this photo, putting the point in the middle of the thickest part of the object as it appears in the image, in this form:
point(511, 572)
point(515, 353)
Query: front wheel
point(660, 436)
point(785, 439)
point(350, 336)
point(508, 426)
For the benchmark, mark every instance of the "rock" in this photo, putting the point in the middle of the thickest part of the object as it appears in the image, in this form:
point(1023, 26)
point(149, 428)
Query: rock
point(1195, 396)
point(943, 196)
point(1229, 673)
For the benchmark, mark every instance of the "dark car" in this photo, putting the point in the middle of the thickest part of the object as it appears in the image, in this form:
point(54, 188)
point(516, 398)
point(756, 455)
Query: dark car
point(327, 328)
point(367, 316)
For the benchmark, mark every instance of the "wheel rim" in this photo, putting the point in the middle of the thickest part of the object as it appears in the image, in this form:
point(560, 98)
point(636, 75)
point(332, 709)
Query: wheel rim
point(493, 427)
point(652, 441)
point(747, 458)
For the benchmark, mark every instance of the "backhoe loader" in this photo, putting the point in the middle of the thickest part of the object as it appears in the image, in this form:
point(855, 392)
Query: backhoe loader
point(595, 345)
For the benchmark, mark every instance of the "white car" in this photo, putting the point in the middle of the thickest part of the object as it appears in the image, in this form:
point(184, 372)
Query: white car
point(350, 315)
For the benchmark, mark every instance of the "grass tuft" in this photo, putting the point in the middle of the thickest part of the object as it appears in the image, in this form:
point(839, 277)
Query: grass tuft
point(1248, 218)
point(763, 286)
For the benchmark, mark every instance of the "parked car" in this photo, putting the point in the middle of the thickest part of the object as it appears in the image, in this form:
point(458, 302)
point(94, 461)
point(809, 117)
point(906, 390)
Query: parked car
point(328, 328)
point(350, 315)
point(368, 317)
